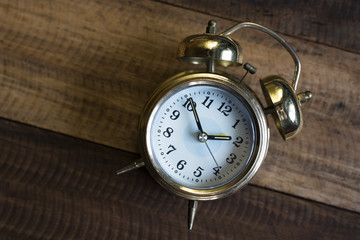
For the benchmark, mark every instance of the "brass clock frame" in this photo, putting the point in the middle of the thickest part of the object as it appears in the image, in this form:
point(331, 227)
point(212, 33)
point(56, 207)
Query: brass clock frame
point(240, 90)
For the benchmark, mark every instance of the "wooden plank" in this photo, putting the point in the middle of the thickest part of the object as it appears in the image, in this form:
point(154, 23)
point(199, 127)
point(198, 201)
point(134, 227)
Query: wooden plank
point(57, 187)
point(334, 23)
point(87, 71)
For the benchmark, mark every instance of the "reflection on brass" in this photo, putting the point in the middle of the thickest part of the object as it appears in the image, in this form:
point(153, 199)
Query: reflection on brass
point(203, 48)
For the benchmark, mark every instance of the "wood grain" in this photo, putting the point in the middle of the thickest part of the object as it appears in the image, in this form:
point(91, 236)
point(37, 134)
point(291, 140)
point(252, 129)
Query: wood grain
point(334, 23)
point(87, 69)
point(58, 187)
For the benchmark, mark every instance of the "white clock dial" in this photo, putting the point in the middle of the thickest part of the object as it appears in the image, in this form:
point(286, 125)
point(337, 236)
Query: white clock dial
point(204, 158)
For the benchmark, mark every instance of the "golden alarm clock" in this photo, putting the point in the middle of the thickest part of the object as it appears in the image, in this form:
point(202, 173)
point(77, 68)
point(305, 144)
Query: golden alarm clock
point(204, 134)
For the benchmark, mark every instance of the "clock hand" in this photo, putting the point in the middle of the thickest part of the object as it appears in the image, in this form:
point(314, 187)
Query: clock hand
point(204, 135)
point(212, 155)
point(196, 116)
point(218, 137)
point(197, 120)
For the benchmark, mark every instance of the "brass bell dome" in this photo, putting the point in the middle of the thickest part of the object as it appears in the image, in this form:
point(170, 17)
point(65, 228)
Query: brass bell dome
point(284, 105)
point(205, 48)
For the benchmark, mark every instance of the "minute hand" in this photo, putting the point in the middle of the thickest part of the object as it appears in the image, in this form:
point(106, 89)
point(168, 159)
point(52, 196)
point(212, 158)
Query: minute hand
point(218, 137)
point(196, 116)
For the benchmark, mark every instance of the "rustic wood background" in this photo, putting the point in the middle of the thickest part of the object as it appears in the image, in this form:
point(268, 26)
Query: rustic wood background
point(75, 76)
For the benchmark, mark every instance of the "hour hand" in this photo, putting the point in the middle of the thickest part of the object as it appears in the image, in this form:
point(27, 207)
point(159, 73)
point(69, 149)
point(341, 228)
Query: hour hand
point(218, 137)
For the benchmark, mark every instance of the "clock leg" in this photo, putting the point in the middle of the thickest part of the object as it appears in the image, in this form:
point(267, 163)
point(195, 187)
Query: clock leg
point(135, 165)
point(193, 204)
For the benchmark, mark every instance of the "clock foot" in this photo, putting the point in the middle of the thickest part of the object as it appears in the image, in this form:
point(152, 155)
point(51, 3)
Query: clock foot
point(193, 204)
point(135, 165)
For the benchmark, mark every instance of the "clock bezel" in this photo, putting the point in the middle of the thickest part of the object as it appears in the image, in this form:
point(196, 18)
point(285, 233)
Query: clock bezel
point(191, 78)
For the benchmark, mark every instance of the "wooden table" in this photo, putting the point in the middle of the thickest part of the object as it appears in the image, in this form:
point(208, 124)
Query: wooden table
point(75, 76)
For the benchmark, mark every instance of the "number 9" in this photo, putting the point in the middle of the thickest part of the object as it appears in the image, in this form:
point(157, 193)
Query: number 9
point(175, 115)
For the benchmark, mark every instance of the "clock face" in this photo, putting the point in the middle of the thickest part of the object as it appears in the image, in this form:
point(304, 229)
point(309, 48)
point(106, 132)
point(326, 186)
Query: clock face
point(206, 148)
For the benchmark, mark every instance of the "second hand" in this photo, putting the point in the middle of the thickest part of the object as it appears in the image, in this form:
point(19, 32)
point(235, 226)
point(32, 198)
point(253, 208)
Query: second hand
point(212, 155)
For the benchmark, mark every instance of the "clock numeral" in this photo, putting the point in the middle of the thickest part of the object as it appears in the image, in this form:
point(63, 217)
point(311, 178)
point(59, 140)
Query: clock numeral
point(198, 172)
point(172, 148)
point(224, 109)
point(181, 164)
point(236, 123)
point(167, 133)
point(206, 103)
point(188, 106)
point(175, 115)
point(239, 140)
point(216, 170)
point(231, 158)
